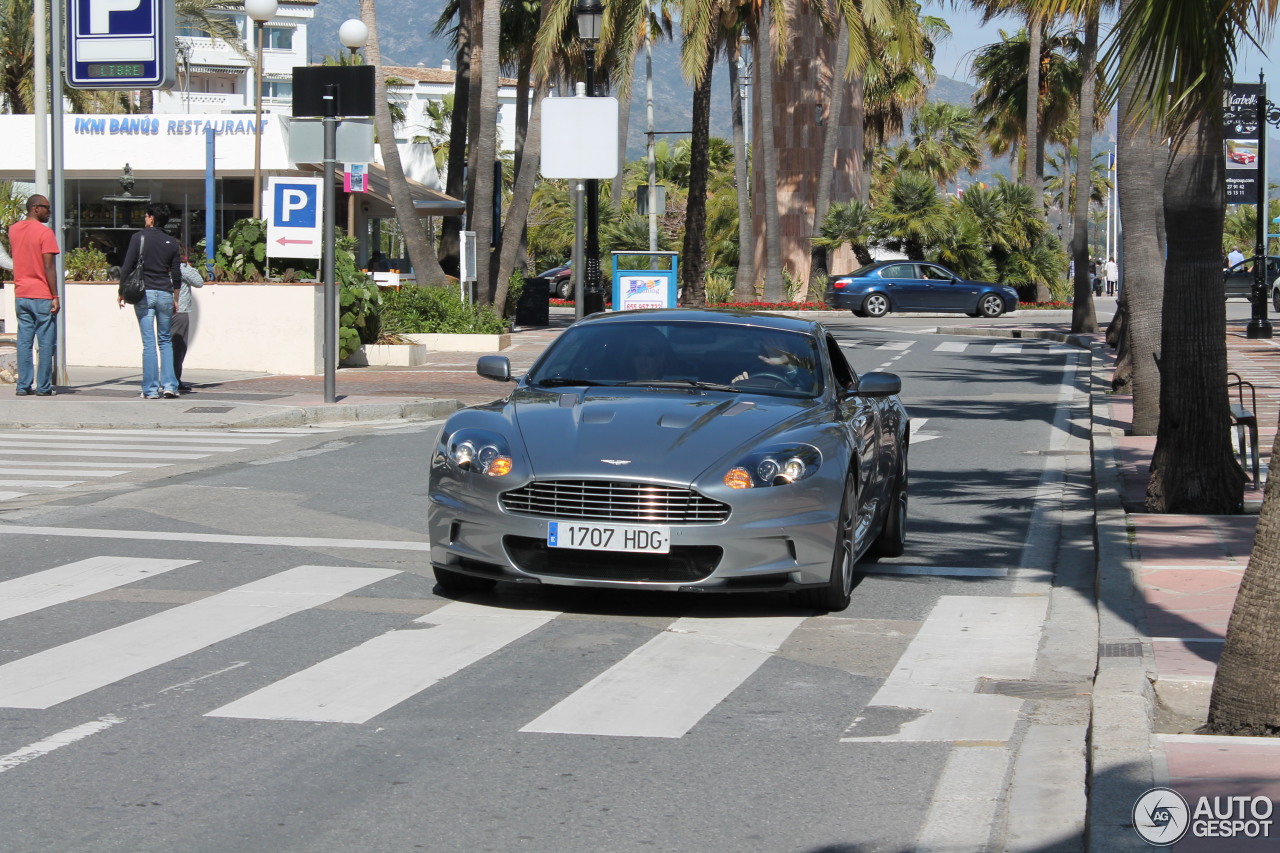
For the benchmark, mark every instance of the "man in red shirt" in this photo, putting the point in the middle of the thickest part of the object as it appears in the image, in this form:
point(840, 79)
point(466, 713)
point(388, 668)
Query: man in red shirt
point(35, 295)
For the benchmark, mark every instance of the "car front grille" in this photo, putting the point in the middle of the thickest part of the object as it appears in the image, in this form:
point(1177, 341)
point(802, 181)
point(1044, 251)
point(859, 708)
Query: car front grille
point(614, 501)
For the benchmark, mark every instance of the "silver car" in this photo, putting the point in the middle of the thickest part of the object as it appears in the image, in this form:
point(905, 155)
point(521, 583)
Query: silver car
point(675, 449)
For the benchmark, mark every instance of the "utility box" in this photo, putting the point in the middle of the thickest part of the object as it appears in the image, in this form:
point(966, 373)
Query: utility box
point(645, 280)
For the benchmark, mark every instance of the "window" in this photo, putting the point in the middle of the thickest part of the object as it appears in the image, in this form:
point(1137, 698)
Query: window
point(277, 38)
point(899, 271)
point(281, 89)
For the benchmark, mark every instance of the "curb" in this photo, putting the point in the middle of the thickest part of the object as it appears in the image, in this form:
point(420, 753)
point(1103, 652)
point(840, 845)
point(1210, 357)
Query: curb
point(284, 416)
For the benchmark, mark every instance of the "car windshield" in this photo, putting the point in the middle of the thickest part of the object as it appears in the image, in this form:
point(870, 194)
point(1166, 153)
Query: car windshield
point(718, 356)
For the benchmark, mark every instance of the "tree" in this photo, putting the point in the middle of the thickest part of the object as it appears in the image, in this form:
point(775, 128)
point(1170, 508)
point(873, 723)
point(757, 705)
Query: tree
point(766, 56)
point(943, 142)
point(422, 255)
point(483, 144)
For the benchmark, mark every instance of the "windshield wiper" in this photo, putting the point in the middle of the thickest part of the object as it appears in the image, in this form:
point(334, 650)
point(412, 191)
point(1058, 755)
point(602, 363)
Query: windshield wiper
point(560, 382)
point(684, 383)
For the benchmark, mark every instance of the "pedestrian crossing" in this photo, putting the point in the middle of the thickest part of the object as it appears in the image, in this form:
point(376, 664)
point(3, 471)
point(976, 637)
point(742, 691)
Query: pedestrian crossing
point(661, 690)
point(46, 461)
point(984, 347)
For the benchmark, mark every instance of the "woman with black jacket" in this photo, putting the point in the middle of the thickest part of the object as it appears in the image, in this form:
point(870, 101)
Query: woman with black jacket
point(158, 253)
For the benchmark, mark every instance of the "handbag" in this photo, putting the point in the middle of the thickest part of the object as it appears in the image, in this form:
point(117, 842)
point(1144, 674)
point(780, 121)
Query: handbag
point(133, 289)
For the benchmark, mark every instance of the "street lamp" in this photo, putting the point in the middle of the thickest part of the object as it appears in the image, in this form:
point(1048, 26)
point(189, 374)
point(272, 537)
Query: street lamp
point(260, 11)
point(354, 35)
point(590, 13)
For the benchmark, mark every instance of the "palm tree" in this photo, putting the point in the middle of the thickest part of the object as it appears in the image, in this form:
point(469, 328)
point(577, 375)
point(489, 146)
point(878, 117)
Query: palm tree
point(911, 213)
point(771, 18)
point(483, 143)
point(849, 223)
point(943, 142)
point(744, 284)
point(422, 255)
point(1177, 57)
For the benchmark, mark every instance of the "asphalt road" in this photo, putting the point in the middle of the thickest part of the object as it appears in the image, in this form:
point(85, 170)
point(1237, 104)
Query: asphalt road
point(245, 652)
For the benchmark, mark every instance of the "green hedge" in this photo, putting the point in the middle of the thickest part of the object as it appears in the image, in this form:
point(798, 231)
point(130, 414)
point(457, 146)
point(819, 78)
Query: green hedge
point(436, 310)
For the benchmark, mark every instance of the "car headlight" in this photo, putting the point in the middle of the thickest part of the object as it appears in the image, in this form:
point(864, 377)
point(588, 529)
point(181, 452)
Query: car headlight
point(778, 466)
point(480, 451)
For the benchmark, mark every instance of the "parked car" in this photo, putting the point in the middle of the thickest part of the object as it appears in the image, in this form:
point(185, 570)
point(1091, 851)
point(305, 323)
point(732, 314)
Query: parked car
point(561, 279)
point(1238, 280)
point(675, 449)
point(885, 286)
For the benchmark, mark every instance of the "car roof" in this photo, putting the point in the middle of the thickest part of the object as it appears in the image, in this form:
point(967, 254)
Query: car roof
point(727, 316)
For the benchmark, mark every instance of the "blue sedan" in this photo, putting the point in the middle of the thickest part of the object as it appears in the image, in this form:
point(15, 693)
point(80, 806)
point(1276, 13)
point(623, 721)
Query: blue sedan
point(885, 286)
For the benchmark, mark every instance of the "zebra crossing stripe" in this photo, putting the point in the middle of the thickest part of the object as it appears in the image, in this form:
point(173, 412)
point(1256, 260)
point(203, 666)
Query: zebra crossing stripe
point(13, 448)
point(8, 496)
point(76, 580)
point(1010, 349)
point(952, 346)
point(73, 669)
point(208, 447)
point(69, 472)
point(667, 685)
point(359, 684)
point(61, 739)
point(46, 484)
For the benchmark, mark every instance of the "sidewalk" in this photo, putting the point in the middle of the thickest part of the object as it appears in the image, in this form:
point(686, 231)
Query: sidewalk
point(1167, 584)
point(104, 397)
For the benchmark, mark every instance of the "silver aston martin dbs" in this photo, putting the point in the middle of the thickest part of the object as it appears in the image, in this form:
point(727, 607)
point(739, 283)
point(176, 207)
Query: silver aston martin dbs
point(675, 450)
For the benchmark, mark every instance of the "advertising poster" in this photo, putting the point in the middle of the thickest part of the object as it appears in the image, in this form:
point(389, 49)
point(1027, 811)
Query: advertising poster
point(1242, 136)
point(643, 290)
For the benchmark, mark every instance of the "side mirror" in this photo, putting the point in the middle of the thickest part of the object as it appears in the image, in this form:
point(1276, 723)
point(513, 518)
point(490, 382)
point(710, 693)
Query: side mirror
point(878, 385)
point(495, 367)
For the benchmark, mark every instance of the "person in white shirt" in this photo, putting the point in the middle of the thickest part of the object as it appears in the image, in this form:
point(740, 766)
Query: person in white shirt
point(1112, 275)
point(1235, 256)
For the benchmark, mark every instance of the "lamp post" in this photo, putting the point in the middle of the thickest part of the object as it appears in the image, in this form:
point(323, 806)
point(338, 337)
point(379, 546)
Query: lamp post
point(1259, 326)
point(260, 11)
point(590, 13)
point(354, 35)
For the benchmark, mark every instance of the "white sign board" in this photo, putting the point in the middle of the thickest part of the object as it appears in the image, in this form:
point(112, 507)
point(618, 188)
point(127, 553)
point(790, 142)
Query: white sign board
point(579, 137)
point(120, 44)
point(295, 217)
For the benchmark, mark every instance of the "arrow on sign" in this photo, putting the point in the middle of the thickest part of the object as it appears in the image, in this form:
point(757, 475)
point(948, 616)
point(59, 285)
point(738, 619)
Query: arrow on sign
point(284, 241)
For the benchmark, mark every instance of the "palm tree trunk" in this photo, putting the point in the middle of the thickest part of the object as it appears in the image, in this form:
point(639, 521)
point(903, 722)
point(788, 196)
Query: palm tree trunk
point(422, 256)
point(1193, 469)
point(455, 176)
point(835, 101)
point(511, 243)
point(774, 290)
point(744, 287)
point(484, 148)
point(693, 269)
point(1083, 316)
point(1140, 166)
point(1031, 175)
point(1244, 701)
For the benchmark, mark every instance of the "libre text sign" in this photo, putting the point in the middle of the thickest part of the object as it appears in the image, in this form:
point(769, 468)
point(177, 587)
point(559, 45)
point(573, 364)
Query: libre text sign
point(120, 44)
point(295, 217)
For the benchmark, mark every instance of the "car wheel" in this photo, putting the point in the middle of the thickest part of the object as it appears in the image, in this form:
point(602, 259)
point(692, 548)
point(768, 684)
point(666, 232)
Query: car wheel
point(892, 540)
point(1275, 298)
point(456, 583)
point(565, 288)
point(875, 305)
point(834, 595)
point(990, 306)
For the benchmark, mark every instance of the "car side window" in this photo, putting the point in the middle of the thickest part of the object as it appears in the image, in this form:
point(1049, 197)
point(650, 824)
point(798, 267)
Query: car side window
point(934, 273)
point(899, 271)
point(841, 373)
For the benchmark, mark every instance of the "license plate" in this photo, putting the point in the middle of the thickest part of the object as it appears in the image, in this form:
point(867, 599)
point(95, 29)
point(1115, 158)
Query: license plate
point(608, 537)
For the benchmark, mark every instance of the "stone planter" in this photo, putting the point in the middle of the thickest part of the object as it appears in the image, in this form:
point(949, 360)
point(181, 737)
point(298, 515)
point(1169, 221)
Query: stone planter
point(388, 355)
point(462, 343)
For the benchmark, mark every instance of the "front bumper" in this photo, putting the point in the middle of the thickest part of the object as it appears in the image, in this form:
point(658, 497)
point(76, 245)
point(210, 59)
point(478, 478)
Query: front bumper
point(766, 544)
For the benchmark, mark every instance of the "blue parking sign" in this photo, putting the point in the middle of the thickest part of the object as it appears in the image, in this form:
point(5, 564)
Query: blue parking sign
point(295, 217)
point(294, 205)
point(120, 44)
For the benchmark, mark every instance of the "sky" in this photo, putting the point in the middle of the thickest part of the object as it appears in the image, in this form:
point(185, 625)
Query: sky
point(969, 33)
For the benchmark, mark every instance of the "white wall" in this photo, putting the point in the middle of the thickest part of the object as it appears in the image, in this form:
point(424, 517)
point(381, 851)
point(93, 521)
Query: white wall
point(266, 328)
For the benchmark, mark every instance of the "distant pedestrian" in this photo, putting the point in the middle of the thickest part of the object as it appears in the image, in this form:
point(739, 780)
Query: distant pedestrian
point(35, 296)
point(157, 253)
point(180, 330)
point(1112, 275)
point(1235, 256)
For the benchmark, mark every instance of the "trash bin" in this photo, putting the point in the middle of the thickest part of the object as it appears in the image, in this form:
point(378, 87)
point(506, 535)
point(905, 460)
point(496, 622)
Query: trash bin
point(532, 306)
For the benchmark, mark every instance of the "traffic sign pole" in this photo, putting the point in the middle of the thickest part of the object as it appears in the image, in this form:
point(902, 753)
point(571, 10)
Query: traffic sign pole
point(330, 285)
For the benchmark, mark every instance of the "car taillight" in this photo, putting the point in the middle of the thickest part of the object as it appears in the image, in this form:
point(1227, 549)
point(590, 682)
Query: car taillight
point(841, 283)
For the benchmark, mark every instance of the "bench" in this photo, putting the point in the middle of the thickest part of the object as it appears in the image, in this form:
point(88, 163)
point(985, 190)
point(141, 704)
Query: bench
point(1245, 421)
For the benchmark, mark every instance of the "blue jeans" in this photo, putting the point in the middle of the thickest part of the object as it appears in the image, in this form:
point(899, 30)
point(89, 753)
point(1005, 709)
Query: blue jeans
point(36, 324)
point(155, 315)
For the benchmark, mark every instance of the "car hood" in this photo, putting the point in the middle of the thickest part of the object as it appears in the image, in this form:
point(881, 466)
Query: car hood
point(667, 435)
